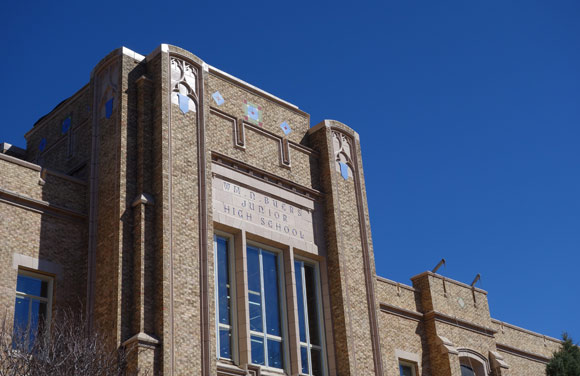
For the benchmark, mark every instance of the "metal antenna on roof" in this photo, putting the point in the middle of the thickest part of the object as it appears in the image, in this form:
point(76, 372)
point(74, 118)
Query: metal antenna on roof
point(442, 262)
point(477, 278)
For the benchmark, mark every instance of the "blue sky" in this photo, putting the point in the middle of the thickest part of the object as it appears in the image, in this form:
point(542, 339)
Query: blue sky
point(468, 113)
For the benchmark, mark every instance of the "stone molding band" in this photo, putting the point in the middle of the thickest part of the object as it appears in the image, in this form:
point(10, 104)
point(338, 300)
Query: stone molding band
point(522, 354)
point(40, 206)
point(441, 317)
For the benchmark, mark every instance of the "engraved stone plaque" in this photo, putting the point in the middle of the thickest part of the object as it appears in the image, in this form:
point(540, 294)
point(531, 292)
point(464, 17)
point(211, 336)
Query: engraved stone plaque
point(265, 210)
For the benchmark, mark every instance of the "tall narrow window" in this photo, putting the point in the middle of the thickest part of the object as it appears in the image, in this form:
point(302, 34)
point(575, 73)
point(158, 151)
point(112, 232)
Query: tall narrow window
point(224, 292)
point(309, 319)
point(265, 304)
point(32, 307)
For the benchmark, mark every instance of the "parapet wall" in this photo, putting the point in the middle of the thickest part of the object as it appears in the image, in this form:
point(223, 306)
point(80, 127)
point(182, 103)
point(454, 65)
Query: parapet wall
point(42, 227)
point(438, 314)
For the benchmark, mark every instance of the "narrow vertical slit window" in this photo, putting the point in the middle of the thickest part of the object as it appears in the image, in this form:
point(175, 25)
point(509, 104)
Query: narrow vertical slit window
point(32, 308)
point(265, 308)
point(312, 350)
point(224, 298)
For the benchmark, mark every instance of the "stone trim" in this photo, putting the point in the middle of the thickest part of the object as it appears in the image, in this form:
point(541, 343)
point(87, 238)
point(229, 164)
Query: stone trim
point(142, 339)
point(106, 63)
point(464, 352)
point(397, 284)
point(21, 162)
point(170, 226)
point(407, 356)
point(514, 327)
point(227, 369)
point(39, 206)
point(497, 361)
point(36, 264)
point(460, 323)
point(203, 229)
point(401, 312)
point(132, 54)
point(238, 127)
point(64, 138)
point(522, 353)
point(369, 281)
point(241, 167)
point(239, 134)
point(255, 90)
point(55, 111)
point(202, 218)
point(41, 169)
point(445, 279)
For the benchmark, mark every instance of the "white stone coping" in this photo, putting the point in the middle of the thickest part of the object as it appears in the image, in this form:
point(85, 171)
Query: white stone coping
point(36, 264)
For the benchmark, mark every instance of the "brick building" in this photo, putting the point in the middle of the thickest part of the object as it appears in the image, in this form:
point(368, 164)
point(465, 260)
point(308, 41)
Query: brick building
point(206, 222)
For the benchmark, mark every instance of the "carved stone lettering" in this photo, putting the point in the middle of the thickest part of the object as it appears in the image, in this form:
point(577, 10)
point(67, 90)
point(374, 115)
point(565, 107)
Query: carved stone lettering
point(260, 209)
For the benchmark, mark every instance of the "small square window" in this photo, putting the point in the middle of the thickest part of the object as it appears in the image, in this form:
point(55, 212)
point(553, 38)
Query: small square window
point(407, 368)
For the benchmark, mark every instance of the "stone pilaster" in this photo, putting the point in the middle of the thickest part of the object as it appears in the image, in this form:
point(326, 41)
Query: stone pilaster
point(350, 257)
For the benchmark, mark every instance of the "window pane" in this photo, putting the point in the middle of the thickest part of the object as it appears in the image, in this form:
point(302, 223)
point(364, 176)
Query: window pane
point(32, 286)
point(304, 357)
point(224, 299)
point(314, 327)
point(253, 270)
point(257, 350)
point(405, 370)
point(21, 315)
point(300, 300)
point(37, 316)
point(466, 371)
point(316, 362)
point(274, 353)
point(269, 262)
point(225, 343)
point(254, 290)
point(256, 323)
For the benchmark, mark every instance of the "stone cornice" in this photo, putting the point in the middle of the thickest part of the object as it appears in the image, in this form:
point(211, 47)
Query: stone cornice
point(241, 167)
point(401, 312)
point(397, 284)
point(439, 276)
point(40, 206)
point(514, 327)
point(522, 353)
point(44, 171)
point(460, 323)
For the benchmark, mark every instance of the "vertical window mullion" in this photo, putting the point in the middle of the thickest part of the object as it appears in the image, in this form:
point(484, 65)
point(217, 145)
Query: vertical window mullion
point(263, 298)
point(216, 287)
point(306, 322)
point(29, 316)
point(233, 302)
point(223, 279)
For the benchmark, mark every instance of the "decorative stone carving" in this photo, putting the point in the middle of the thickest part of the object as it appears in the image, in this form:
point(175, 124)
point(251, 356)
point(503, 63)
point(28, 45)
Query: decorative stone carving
point(108, 82)
point(497, 361)
point(184, 82)
point(446, 345)
point(342, 146)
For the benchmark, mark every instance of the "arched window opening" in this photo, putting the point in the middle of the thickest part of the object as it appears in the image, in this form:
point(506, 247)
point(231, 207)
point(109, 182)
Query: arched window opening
point(472, 363)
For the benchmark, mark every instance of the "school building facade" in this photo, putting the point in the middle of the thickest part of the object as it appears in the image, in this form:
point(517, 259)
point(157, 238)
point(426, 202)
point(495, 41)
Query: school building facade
point(203, 221)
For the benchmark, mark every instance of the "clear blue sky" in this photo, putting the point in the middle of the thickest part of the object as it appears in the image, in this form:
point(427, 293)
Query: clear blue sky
point(468, 111)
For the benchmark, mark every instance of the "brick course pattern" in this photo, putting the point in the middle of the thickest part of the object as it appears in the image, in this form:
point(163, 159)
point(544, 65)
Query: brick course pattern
point(118, 208)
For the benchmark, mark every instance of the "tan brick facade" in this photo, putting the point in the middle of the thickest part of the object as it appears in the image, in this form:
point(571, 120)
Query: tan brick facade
point(123, 186)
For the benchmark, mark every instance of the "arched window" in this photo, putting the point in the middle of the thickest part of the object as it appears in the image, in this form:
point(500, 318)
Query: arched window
point(472, 363)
